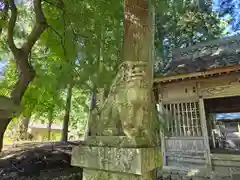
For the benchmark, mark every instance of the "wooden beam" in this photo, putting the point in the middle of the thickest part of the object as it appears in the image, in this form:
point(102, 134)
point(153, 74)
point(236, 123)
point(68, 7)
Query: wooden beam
point(197, 74)
point(225, 110)
point(223, 105)
point(225, 157)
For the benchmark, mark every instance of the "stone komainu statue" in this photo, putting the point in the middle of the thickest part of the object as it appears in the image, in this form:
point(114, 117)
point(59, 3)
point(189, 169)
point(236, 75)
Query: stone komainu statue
point(124, 112)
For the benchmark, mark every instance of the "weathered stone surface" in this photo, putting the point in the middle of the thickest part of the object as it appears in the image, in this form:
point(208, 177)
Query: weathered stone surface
point(127, 111)
point(127, 160)
point(103, 175)
point(117, 141)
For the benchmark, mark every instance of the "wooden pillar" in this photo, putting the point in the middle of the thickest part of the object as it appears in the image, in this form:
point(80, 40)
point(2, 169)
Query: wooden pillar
point(238, 126)
point(204, 129)
point(163, 142)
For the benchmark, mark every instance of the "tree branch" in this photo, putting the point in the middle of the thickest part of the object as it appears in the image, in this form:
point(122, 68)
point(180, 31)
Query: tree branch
point(61, 38)
point(64, 29)
point(54, 5)
point(40, 26)
point(11, 26)
point(26, 71)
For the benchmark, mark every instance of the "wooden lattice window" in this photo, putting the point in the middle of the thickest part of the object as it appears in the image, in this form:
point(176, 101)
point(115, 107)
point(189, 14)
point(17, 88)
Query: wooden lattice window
point(183, 119)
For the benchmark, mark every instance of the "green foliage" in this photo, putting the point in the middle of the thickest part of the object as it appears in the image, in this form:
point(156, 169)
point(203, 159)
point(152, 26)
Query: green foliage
point(79, 109)
point(83, 43)
point(183, 23)
point(90, 43)
point(10, 77)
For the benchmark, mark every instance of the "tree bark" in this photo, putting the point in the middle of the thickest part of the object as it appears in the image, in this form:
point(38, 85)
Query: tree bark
point(21, 56)
point(3, 127)
point(64, 137)
point(23, 127)
point(138, 69)
point(25, 122)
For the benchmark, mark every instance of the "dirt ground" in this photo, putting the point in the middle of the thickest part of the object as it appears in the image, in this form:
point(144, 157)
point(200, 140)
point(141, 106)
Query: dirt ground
point(38, 161)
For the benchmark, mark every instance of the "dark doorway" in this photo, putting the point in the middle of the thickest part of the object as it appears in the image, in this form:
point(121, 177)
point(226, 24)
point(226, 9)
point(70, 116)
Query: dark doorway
point(223, 124)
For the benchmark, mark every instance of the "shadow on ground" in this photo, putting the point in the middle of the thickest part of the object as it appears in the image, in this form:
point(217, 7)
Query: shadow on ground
point(42, 162)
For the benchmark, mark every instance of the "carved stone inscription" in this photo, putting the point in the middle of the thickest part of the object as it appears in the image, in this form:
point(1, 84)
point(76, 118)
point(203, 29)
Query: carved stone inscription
point(103, 175)
point(127, 160)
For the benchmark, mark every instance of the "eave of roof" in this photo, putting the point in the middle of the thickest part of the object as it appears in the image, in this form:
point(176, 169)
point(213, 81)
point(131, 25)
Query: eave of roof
point(211, 72)
point(204, 59)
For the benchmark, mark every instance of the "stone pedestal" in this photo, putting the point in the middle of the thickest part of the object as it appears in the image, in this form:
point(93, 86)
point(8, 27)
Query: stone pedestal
point(116, 158)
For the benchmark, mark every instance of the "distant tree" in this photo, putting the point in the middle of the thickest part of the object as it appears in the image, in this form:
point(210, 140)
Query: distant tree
point(98, 31)
point(22, 52)
point(182, 24)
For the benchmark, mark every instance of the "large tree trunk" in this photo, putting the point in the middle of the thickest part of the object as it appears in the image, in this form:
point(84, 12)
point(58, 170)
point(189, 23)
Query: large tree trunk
point(21, 56)
point(138, 69)
point(25, 122)
point(23, 127)
point(25, 77)
point(64, 137)
point(3, 127)
point(50, 121)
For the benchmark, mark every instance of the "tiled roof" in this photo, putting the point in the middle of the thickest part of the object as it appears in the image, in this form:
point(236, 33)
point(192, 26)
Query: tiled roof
point(204, 56)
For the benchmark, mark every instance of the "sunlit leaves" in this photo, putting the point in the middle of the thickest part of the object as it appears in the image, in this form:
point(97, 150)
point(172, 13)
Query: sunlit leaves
point(8, 79)
point(181, 24)
point(83, 43)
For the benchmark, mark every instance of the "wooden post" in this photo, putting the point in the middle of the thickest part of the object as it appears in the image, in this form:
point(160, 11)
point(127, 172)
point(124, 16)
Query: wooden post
point(204, 129)
point(238, 127)
point(163, 147)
